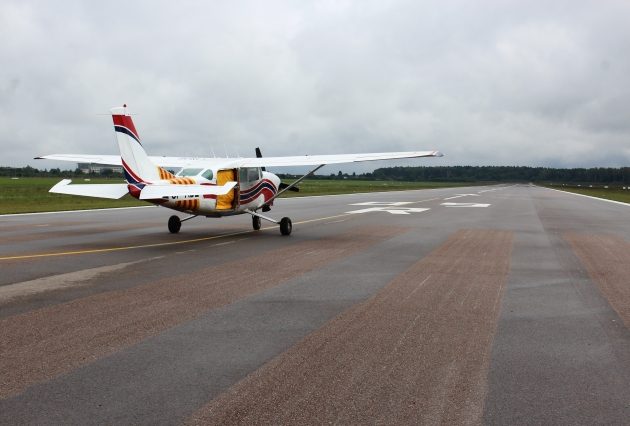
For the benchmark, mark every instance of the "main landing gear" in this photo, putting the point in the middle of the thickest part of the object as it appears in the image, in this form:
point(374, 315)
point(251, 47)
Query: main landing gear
point(175, 223)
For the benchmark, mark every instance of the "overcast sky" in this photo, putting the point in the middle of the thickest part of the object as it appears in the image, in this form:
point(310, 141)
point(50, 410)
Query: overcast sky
point(486, 82)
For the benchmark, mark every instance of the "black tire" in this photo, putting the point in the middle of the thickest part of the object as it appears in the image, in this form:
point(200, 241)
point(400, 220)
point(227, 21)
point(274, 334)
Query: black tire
point(286, 226)
point(256, 223)
point(174, 224)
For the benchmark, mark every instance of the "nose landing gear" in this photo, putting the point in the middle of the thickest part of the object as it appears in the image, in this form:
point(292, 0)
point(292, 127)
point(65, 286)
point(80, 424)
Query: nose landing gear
point(285, 223)
point(256, 223)
point(286, 226)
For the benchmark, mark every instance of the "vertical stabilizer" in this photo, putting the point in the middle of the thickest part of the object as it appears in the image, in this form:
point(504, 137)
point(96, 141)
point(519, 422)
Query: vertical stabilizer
point(135, 161)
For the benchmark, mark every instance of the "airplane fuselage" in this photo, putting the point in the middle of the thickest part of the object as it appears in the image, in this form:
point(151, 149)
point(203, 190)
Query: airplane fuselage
point(254, 188)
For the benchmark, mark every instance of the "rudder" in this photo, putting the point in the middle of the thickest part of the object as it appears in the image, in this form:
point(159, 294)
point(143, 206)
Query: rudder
point(137, 166)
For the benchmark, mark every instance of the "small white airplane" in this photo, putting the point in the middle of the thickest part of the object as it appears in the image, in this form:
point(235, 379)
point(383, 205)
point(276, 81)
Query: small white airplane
point(211, 187)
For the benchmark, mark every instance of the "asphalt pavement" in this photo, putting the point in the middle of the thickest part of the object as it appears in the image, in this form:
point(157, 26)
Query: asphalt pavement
point(505, 304)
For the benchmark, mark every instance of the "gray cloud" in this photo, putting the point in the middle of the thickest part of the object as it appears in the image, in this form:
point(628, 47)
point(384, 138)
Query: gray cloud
point(494, 82)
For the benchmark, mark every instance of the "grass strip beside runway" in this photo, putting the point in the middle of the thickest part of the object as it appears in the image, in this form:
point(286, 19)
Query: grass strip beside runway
point(30, 195)
point(614, 194)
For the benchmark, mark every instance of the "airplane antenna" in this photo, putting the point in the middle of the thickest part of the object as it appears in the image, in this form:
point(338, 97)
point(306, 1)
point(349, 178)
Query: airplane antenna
point(225, 149)
point(238, 155)
point(213, 154)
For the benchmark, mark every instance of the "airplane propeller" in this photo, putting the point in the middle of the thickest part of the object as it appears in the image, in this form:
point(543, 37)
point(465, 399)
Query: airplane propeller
point(286, 185)
point(282, 184)
point(259, 155)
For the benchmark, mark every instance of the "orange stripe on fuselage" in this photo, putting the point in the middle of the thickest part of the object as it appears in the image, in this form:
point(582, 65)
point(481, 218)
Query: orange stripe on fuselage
point(165, 174)
point(187, 205)
point(182, 181)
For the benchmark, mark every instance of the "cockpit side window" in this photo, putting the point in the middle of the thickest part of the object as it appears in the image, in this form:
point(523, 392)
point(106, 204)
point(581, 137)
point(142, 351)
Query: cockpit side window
point(208, 174)
point(253, 174)
point(249, 174)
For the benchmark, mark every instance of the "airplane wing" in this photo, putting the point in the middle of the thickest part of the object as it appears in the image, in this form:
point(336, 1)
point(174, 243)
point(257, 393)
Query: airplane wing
point(151, 192)
point(109, 160)
point(313, 160)
point(114, 160)
point(290, 161)
point(108, 190)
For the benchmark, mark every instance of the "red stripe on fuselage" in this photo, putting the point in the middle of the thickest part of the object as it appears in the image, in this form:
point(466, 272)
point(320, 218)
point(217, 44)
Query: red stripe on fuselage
point(265, 192)
point(134, 191)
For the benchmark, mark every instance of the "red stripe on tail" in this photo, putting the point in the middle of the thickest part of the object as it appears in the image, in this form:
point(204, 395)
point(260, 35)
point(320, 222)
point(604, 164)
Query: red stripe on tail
point(126, 121)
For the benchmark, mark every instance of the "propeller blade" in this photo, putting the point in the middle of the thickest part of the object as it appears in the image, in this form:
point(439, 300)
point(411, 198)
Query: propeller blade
point(259, 155)
point(293, 188)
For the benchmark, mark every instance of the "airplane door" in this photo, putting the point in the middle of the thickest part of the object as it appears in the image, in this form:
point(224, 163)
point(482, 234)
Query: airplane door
point(226, 202)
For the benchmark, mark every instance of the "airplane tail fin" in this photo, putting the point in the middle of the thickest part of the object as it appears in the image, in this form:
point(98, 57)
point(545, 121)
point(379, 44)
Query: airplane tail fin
point(137, 166)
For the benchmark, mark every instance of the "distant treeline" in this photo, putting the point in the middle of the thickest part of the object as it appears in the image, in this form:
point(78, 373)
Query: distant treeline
point(598, 175)
point(29, 171)
point(505, 174)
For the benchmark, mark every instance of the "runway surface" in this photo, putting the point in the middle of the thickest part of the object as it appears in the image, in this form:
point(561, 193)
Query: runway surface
point(478, 305)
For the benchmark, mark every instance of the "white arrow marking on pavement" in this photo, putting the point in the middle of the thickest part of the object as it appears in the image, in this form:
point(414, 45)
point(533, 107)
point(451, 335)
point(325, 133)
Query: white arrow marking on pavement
point(381, 203)
point(461, 195)
point(402, 210)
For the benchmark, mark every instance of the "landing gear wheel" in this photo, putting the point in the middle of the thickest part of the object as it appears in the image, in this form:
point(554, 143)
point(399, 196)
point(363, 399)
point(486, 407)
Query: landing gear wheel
point(256, 223)
point(285, 226)
point(174, 224)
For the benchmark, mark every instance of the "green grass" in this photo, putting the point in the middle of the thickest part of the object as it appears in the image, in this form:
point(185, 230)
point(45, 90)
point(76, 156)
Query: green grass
point(615, 194)
point(331, 187)
point(26, 195)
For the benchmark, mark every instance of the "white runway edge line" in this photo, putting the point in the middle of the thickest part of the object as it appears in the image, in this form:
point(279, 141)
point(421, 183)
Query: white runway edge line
point(588, 196)
point(75, 211)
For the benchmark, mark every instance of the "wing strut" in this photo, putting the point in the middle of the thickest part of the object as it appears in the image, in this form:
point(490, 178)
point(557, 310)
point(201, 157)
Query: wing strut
point(288, 187)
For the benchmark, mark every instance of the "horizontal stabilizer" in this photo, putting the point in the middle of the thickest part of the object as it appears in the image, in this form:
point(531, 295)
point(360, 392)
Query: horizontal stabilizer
point(155, 191)
point(108, 190)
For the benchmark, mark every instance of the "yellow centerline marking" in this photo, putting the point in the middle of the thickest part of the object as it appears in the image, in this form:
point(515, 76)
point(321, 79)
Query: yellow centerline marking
point(169, 243)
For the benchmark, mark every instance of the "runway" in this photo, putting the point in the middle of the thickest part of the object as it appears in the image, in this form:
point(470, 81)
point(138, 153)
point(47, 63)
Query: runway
point(480, 305)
